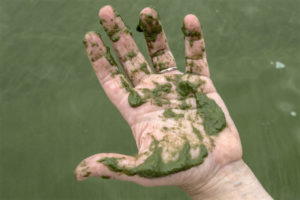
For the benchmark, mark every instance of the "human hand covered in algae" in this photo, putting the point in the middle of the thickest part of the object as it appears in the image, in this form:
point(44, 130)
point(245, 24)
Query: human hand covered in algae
point(183, 131)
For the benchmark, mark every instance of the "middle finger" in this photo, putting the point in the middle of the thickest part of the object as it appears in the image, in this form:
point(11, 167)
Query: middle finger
point(157, 44)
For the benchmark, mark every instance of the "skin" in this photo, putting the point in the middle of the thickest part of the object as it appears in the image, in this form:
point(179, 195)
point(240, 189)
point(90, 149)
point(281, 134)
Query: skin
point(183, 131)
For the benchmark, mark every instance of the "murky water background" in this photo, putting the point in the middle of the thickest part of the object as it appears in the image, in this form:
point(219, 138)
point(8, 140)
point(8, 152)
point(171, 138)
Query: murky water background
point(54, 113)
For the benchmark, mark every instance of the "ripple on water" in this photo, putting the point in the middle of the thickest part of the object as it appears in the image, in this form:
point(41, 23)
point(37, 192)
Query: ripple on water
point(293, 114)
point(277, 64)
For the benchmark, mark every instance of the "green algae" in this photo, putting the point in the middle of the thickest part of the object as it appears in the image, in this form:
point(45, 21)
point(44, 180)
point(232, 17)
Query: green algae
point(143, 67)
point(86, 174)
point(162, 66)
point(186, 32)
point(131, 55)
point(158, 94)
point(158, 53)
point(115, 38)
point(213, 117)
point(184, 88)
point(82, 164)
point(154, 166)
point(116, 72)
point(150, 26)
point(165, 128)
point(94, 44)
point(169, 113)
point(85, 43)
point(109, 57)
point(184, 105)
point(135, 99)
point(197, 132)
point(125, 84)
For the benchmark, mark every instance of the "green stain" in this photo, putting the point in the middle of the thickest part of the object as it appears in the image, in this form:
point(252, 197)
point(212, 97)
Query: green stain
point(125, 84)
point(162, 88)
point(116, 13)
point(109, 57)
point(184, 105)
point(154, 166)
point(185, 88)
point(131, 55)
point(94, 44)
point(158, 53)
point(190, 65)
point(101, 21)
point(135, 99)
point(82, 164)
point(158, 94)
point(168, 113)
point(110, 33)
point(143, 67)
point(197, 132)
point(114, 73)
point(191, 42)
point(186, 32)
point(150, 26)
point(115, 38)
point(86, 174)
point(213, 117)
point(85, 43)
point(116, 26)
point(105, 177)
point(162, 66)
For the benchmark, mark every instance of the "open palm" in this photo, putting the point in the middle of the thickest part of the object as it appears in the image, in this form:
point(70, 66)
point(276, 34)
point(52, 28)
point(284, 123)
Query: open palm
point(183, 131)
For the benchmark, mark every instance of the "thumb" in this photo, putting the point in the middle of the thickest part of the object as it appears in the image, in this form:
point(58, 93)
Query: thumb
point(113, 166)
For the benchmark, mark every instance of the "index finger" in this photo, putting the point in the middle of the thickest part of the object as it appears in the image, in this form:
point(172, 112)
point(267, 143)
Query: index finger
point(128, 54)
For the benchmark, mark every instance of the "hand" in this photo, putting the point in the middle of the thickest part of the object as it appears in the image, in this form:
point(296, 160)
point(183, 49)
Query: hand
point(183, 131)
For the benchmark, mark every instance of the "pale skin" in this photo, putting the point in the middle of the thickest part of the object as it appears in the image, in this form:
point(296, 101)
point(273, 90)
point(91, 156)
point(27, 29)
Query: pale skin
point(167, 117)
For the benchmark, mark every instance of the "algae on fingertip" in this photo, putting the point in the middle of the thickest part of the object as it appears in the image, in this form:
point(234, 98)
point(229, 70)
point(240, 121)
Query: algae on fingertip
point(186, 32)
point(85, 43)
point(150, 26)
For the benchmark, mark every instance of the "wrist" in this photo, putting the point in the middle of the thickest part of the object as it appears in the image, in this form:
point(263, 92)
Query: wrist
point(233, 181)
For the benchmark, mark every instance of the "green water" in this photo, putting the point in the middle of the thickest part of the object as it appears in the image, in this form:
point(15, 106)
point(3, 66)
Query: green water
point(53, 112)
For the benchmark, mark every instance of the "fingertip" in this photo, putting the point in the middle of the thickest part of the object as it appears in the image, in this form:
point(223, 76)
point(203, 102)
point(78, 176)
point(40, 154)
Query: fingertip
point(77, 176)
point(82, 171)
point(92, 41)
point(106, 12)
point(89, 36)
point(191, 23)
point(148, 11)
